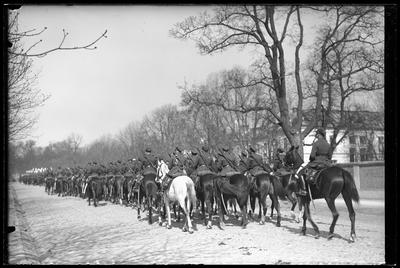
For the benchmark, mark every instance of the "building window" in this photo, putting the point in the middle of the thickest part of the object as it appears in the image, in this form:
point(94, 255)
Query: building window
point(363, 140)
point(363, 154)
point(352, 154)
point(352, 139)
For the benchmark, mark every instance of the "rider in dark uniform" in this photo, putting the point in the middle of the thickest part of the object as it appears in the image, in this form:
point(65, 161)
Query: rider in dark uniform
point(227, 163)
point(319, 158)
point(242, 166)
point(255, 164)
point(178, 164)
point(202, 164)
point(278, 165)
point(149, 163)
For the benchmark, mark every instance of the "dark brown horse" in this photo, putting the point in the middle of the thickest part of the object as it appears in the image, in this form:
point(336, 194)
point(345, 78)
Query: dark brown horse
point(148, 190)
point(289, 194)
point(330, 183)
point(205, 193)
point(237, 186)
point(264, 185)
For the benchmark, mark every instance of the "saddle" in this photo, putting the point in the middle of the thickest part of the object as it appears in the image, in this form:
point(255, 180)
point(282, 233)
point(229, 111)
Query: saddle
point(256, 171)
point(203, 170)
point(314, 169)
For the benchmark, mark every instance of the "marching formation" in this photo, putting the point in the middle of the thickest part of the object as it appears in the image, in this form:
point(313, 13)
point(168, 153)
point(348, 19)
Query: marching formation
point(205, 178)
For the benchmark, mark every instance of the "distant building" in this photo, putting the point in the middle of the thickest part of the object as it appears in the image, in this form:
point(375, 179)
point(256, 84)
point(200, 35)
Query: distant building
point(364, 142)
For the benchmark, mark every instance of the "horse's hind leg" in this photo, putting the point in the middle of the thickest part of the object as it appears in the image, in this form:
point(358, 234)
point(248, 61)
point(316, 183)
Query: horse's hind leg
point(275, 201)
point(262, 200)
point(252, 206)
point(352, 215)
point(335, 215)
point(307, 211)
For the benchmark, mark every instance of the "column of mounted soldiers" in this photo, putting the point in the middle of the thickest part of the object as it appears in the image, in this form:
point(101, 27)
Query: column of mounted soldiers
point(193, 163)
point(119, 180)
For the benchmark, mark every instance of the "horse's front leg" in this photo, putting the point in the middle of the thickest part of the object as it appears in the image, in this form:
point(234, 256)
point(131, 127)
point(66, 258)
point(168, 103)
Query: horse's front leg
point(168, 209)
point(220, 212)
point(307, 208)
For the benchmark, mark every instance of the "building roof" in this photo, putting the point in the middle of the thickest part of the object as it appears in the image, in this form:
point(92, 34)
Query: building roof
point(354, 120)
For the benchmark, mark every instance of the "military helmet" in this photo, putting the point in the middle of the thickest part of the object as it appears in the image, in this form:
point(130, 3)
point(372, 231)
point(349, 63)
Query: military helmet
point(321, 131)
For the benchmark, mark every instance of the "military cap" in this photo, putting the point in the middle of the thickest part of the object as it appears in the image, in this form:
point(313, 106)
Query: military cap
point(225, 148)
point(205, 148)
point(178, 149)
point(244, 153)
point(148, 150)
point(194, 152)
point(321, 131)
point(280, 150)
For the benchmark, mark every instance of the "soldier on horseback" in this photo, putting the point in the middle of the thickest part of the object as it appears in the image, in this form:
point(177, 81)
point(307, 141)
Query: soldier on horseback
point(149, 163)
point(178, 164)
point(227, 162)
point(202, 164)
point(255, 164)
point(320, 158)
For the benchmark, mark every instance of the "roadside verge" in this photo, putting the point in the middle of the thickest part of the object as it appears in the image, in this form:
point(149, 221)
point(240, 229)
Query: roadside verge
point(21, 248)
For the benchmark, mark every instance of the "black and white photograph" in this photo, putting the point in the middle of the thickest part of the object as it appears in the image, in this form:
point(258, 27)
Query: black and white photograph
point(196, 134)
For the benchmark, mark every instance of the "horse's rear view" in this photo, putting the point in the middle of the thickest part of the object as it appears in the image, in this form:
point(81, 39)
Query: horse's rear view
point(181, 191)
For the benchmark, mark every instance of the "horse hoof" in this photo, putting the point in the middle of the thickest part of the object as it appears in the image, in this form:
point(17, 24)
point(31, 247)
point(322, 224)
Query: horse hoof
point(278, 224)
point(138, 217)
point(226, 217)
point(209, 227)
point(190, 231)
point(330, 236)
point(169, 226)
point(184, 229)
point(352, 238)
point(261, 222)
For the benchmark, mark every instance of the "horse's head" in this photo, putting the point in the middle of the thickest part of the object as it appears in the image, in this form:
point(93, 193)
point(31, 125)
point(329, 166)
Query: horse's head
point(292, 158)
point(162, 170)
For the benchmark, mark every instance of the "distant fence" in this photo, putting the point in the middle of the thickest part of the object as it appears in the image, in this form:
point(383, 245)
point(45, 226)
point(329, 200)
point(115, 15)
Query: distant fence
point(367, 175)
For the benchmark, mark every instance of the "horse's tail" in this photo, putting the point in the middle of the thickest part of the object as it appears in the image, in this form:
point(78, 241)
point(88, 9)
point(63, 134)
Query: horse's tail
point(350, 186)
point(278, 187)
point(191, 195)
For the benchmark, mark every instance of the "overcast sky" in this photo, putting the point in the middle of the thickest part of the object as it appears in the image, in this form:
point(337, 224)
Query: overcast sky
point(135, 70)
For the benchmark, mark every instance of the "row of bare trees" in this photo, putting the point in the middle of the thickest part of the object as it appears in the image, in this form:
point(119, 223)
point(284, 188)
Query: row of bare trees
point(346, 57)
point(272, 98)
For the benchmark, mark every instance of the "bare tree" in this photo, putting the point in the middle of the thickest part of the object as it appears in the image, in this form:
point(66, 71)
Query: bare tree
point(267, 27)
point(250, 26)
point(24, 97)
point(350, 61)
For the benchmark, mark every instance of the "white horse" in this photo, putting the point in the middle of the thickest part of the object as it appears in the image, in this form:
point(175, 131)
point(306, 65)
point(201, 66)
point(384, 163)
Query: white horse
point(181, 190)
